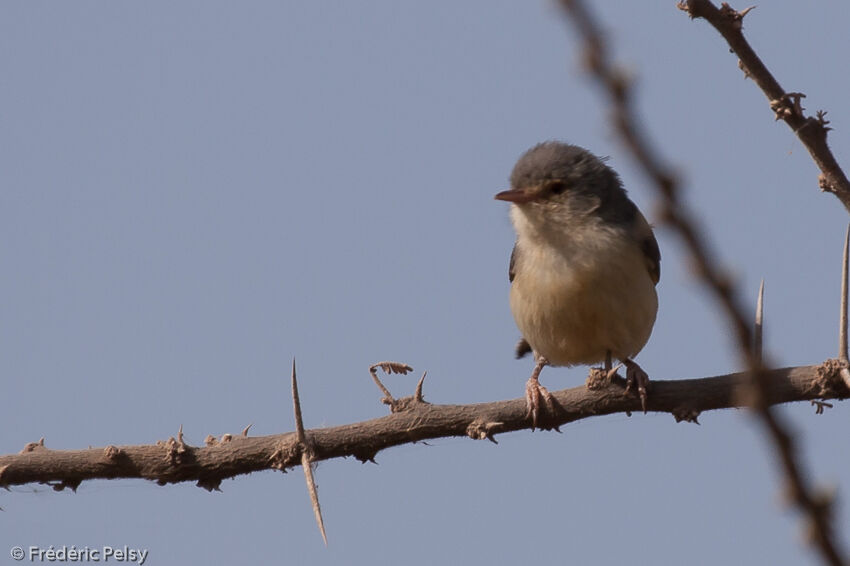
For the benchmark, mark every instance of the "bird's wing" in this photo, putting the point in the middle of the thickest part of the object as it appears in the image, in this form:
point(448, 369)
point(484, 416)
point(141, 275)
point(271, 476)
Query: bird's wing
point(522, 347)
point(653, 257)
point(512, 265)
point(649, 246)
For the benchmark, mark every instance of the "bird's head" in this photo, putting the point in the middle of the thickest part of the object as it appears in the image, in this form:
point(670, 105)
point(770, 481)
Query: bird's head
point(558, 184)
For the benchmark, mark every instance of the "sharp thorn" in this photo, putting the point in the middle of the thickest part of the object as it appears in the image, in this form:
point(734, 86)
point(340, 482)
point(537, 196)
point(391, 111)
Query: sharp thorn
point(758, 330)
point(612, 371)
point(305, 455)
point(314, 494)
point(296, 405)
point(418, 394)
point(842, 328)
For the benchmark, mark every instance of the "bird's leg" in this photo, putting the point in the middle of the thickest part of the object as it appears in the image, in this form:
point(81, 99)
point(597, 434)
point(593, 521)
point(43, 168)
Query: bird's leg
point(534, 392)
point(599, 378)
point(636, 378)
point(610, 372)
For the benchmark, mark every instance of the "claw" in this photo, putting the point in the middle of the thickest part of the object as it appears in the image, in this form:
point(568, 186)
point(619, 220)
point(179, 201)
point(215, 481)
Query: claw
point(534, 392)
point(636, 377)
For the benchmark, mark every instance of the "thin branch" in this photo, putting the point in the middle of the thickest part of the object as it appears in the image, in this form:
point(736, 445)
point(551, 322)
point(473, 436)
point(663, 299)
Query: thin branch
point(389, 368)
point(812, 131)
point(234, 454)
point(675, 214)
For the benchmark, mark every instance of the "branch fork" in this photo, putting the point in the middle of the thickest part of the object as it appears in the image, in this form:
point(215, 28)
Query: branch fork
point(404, 403)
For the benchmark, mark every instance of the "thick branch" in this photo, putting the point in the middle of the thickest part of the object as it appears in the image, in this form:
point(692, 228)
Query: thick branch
point(810, 130)
point(174, 461)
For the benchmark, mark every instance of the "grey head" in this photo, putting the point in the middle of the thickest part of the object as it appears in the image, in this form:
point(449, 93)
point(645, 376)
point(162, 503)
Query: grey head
point(558, 176)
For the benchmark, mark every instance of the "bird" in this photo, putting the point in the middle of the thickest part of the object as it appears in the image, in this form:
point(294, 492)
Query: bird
point(584, 268)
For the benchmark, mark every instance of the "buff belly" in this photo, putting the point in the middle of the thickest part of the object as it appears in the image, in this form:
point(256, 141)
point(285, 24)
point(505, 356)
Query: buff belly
point(575, 311)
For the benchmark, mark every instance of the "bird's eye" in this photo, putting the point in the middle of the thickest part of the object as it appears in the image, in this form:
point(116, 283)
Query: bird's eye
point(557, 187)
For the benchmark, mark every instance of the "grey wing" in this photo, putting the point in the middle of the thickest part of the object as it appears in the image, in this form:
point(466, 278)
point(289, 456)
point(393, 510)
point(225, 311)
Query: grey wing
point(522, 347)
point(649, 246)
point(653, 256)
point(512, 265)
point(618, 209)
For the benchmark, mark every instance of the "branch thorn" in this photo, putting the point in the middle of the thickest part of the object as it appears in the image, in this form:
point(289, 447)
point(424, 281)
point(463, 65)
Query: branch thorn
point(305, 456)
point(296, 405)
point(417, 395)
point(746, 11)
point(842, 326)
point(758, 329)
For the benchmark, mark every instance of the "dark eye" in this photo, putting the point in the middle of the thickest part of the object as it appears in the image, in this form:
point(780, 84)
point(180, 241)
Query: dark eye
point(557, 187)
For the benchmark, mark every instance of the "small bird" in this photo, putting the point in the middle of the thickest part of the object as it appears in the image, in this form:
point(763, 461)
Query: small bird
point(584, 267)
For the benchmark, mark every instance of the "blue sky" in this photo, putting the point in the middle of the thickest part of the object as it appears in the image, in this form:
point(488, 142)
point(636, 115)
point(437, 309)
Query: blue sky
point(195, 192)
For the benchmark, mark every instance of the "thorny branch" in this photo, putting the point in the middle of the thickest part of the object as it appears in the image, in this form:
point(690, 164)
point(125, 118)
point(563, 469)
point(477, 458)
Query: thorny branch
point(814, 504)
point(413, 419)
point(812, 131)
point(175, 461)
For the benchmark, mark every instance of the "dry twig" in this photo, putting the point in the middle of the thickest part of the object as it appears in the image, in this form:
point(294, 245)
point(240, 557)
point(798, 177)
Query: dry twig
point(675, 214)
point(812, 131)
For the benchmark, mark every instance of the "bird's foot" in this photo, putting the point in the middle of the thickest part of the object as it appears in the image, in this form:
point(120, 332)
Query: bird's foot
point(638, 379)
point(541, 404)
point(534, 393)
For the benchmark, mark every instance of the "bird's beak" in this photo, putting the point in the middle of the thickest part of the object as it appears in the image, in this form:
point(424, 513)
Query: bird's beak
point(516, 196)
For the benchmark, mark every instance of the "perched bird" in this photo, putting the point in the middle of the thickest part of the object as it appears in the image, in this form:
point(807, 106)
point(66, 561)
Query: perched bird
point(584, 267)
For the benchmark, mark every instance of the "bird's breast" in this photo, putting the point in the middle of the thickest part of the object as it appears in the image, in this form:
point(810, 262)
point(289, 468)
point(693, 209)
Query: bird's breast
point(575, 303)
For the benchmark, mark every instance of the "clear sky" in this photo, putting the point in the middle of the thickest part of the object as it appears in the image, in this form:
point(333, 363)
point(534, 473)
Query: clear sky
point(195, 192)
